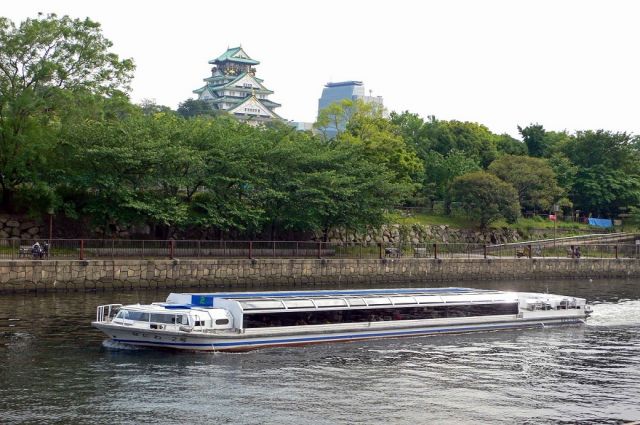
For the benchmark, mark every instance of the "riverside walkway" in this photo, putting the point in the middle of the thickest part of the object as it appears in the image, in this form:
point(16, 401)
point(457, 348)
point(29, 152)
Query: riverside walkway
point(613, 245)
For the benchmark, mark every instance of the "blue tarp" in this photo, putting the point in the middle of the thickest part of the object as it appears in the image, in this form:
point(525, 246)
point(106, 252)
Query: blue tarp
point(600, 222)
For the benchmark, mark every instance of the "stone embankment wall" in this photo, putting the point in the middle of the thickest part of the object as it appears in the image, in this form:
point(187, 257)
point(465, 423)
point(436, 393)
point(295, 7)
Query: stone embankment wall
point(396, 234)
point(130, 274)
point(12, 227)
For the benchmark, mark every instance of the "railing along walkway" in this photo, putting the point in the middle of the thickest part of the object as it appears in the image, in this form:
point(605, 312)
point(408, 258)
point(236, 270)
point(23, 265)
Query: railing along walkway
point(104, 249)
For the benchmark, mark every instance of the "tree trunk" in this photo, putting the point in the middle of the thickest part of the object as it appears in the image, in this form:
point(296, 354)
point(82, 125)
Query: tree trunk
point(7, 202)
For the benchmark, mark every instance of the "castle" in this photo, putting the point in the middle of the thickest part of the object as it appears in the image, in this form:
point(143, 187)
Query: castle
point(233, 87)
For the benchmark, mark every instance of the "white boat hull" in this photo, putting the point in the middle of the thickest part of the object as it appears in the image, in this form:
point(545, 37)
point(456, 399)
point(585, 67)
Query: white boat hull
point(195, 341)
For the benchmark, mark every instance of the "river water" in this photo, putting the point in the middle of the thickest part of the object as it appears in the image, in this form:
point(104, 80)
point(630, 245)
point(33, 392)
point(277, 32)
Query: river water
point(54, 368)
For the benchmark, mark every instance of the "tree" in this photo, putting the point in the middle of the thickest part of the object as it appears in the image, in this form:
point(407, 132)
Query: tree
point(413, 131)
point(150, 107)
point(365, 125)
point(540, 142)
point(533, 179)
point(333, 119)
point(308, 184)
point(608, 170)
point(485, 198)
point(440, 170)
point(45, 62)
point(533, 137)
point(194, 107)
point(472, 138)
point(510, 146)
point(565, 171)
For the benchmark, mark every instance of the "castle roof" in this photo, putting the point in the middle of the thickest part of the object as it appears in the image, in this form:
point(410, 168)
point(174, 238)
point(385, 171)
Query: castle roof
point(255, 101)
point(232, 85)
point(234, 54)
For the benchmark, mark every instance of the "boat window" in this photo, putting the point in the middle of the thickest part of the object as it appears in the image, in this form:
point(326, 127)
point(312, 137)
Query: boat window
point(403, 300)
point(330, 302)
point(260, 304)
point(136, 315)
point(222, 321)
point(163, 318)
point(299, 304)
point(356, 302)
point(377, 301)
point(425, 299)
point(302, 318)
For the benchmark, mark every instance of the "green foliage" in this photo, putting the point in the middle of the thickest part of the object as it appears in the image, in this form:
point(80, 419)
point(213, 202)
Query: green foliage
point(533, 136)
point(35, 199)
point(474, 139)
point(506, 144)
point(433, 135)
point(412, 129)
point(71, 140)
point(194, 107)
point(440, 170)
point(381, 143)
point(48, 64)
point(485, 198)
point(541, 143)
point(608, 170)
point(564, 170)
point(533, 179)
point(150, 107)
point(377, 138)
point(218, 173)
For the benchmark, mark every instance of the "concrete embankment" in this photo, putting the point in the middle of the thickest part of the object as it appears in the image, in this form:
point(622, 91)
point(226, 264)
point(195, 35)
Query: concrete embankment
point(73, 275)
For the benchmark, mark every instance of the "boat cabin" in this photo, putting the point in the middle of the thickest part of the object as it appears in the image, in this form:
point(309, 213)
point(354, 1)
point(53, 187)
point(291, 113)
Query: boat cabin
point(175, 318)
point(285, 309)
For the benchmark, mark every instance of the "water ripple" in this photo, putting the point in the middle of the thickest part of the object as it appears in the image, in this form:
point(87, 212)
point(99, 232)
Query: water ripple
point(584, 374)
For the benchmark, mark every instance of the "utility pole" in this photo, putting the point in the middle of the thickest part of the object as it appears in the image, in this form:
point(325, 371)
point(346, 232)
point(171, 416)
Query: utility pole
point(556, 208)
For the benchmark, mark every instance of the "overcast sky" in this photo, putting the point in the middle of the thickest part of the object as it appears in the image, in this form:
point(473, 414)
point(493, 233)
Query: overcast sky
point(565, 64)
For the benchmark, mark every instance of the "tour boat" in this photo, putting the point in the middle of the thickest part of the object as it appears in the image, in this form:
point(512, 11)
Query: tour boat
point(242, 321)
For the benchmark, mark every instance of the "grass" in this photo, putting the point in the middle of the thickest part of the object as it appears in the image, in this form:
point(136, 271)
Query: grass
point(523, 225)
point(430, 220)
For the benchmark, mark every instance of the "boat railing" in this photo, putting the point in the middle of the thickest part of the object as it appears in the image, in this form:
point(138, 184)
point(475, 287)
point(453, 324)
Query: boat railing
point(106, 313)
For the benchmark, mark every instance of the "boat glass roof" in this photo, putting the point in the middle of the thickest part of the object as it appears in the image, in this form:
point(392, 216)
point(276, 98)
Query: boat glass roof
point(347, 298)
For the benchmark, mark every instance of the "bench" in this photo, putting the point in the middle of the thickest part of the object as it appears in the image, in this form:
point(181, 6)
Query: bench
point(24, 251)
point(420, 252)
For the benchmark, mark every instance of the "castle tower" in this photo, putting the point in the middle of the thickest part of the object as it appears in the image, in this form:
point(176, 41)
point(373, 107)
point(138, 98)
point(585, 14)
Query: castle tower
point(234, 87)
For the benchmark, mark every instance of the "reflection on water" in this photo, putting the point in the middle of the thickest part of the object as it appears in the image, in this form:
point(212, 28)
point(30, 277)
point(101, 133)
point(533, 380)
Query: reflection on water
point(55, 368)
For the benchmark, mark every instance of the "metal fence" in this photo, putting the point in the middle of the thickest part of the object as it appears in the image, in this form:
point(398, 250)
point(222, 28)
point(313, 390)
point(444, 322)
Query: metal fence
point(96, 249)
